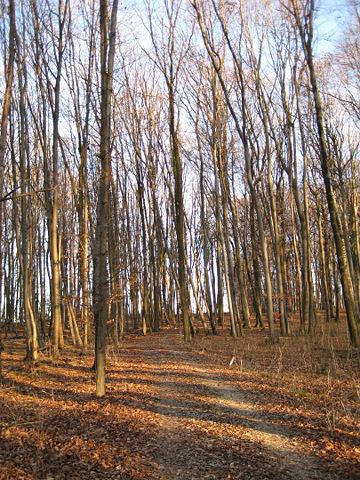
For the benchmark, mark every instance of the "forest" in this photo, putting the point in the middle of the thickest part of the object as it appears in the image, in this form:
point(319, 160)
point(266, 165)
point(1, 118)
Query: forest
point(182, 158)
point(179, 165)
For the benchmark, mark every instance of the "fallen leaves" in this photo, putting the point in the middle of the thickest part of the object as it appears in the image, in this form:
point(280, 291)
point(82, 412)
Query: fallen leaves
point(170, 413)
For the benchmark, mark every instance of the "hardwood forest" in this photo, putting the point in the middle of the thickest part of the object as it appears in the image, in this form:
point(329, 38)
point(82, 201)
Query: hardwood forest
point(179, 233)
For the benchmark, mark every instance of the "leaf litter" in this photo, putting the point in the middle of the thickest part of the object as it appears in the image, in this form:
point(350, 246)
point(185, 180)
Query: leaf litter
point(172, 411)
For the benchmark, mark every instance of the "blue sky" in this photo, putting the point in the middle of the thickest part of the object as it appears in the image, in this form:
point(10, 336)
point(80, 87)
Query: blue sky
point(331, 21)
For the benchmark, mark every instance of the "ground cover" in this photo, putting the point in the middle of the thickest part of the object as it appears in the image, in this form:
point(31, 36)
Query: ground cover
point(214, 409)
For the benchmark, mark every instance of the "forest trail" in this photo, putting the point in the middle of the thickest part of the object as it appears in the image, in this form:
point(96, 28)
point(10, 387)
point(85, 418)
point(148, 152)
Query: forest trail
point(172, 411)
point(196, 397)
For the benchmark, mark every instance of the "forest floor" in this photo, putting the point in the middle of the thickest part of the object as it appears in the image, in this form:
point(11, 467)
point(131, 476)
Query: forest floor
point(289, 410)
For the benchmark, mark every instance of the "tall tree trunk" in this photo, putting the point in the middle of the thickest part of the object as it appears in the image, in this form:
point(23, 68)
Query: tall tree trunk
point(3, 133)
point(242, 128)
point(324, 274)
point(204, 231)
point(31, 325)
point(257, 288)
point(51, 180)
point(100, 280)
point(179, 214)
point(239, 266)
point(144, 228)
point(305, 28)
point(355, 234)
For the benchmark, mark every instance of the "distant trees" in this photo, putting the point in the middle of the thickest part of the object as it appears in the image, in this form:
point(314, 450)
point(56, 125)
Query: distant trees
point(170, 48)
point(205, 173)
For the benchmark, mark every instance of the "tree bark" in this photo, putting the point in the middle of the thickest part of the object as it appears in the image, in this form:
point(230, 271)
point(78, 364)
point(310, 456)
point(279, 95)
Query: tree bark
point(100, 280)
point(306, 34)
point(4, 123)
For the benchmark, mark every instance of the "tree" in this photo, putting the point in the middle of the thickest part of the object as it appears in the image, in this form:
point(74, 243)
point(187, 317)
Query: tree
point(303, 14)
point(100, 275)
point(9, 73)
point(32, 337)
point(169, 56)
point(242, 124)
point(80, 78)
point(48, 71)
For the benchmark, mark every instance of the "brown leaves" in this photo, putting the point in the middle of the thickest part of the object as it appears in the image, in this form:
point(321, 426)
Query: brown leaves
point(170, 413)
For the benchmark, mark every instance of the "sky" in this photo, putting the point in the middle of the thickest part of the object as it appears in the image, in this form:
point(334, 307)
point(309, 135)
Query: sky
point(331, 21)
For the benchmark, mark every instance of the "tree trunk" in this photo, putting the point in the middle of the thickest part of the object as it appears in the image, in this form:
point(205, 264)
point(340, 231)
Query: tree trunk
point(4, 123)
point(31, 325)
point(306, 34)
point(205, 239)
point(179, 215)
point(242, 131)
point(100, 280)
point(257, 288)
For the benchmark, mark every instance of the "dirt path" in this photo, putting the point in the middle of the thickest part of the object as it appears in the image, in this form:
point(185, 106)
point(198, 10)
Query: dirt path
point(208, 428)
point(170, 413)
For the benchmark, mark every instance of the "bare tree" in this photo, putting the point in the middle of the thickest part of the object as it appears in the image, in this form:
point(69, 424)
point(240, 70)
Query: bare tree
point(169, 56)
point(4, 123)
point(303, 13)
point(242, 123)
point(100, 276)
